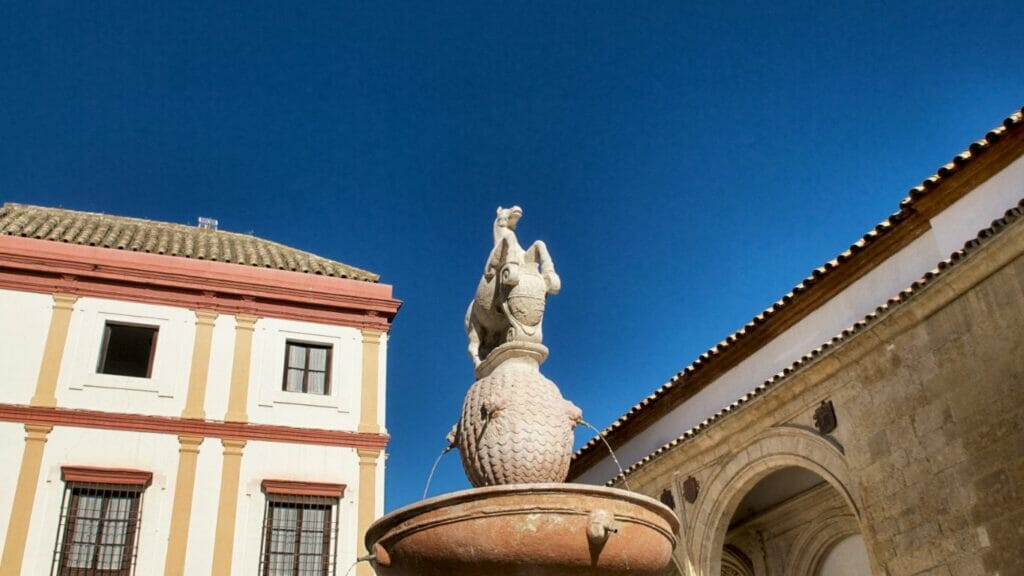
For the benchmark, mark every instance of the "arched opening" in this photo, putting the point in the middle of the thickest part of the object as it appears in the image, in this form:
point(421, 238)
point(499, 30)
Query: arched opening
point(848, 556)
point(793, 522)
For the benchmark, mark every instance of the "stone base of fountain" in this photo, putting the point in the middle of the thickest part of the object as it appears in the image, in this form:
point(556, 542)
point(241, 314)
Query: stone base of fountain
point(527, 529)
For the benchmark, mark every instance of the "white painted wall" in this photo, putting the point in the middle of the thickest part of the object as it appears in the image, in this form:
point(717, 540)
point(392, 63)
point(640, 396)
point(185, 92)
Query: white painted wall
point(205, 496)
point(12, 445)
point(950, 229)
point(976, 211)
point(382, 385)
point(218, 379)
point(81, 386)
point(267, 460)
point(849, 557)
point(270, 404)
point(156, 453)
point(24, 323)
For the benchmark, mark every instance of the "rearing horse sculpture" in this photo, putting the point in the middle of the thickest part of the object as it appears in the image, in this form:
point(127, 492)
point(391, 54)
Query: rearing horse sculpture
point(509, 301)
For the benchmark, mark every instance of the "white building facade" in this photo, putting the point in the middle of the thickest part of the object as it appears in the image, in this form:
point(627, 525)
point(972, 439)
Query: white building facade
point(178, 400)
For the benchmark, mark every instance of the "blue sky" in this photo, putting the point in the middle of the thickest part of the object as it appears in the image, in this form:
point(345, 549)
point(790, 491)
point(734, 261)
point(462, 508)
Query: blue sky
point(686, 164)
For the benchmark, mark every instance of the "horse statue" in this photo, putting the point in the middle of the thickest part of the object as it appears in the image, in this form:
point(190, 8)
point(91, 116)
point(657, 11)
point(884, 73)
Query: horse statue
point(509, 302)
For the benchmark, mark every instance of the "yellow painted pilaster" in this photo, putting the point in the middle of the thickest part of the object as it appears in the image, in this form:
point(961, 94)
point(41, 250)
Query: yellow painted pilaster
point(24, 497)
point(238, 396)
point(227, 507)
point(181, 510)
point(196, 398)
point(367, 504)
point(370, 383)
point(53, 352)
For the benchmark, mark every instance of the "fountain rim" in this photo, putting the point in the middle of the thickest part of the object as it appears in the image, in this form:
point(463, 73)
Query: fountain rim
point(382, 525)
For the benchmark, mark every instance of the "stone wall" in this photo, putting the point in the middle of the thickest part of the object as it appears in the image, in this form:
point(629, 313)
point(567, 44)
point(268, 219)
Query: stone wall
point(928, 452)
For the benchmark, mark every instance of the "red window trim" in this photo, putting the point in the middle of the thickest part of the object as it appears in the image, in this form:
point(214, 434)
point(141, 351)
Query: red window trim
point(117, 476)
point(299, 488)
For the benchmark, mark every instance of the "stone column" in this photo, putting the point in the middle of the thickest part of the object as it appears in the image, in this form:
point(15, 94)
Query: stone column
point(227, 507)
point(53, 352)
point(24, 498)
point(181, 509)
point(367, 501)
point(370, 383)
point(195, 400)
point(239, 394)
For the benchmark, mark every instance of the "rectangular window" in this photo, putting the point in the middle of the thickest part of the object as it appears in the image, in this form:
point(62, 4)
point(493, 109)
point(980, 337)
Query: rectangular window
point(300, 529)
point(127, 350)
point(99, 521)
point(307, 368)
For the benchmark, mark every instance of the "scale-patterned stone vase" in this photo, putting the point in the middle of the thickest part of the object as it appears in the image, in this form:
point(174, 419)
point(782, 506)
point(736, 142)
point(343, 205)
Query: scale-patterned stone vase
point(515, 427)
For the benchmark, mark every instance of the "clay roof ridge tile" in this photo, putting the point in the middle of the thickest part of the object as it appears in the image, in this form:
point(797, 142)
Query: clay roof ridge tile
point(137, 234)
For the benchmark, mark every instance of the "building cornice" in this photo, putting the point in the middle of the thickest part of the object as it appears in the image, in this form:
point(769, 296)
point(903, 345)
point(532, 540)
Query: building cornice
point(49, 267)
point(42, 415)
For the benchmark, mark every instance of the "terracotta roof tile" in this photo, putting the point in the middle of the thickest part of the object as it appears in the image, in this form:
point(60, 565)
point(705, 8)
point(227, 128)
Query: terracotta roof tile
point(139, 235)
point(984, 236)
point(906, 207)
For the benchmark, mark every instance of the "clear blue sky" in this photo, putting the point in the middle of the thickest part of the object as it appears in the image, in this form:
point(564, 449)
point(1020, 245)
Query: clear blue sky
point(686, 165)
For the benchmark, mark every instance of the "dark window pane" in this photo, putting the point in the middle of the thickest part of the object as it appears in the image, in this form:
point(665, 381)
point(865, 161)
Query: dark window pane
point(128, 350)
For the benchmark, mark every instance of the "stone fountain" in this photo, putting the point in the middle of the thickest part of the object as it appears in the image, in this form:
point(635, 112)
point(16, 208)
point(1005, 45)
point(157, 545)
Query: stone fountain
point(515, 437)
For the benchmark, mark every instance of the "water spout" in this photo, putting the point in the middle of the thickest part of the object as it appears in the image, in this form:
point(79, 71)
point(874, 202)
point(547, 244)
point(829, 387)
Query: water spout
point(434, 468)
point(610, 451)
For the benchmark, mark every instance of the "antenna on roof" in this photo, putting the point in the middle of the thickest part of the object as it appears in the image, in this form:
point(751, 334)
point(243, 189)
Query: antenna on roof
point(207, 223)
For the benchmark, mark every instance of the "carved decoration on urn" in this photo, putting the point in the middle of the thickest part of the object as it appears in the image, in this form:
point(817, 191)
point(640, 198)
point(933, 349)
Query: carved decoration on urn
point(825, 417)
point(515, 426)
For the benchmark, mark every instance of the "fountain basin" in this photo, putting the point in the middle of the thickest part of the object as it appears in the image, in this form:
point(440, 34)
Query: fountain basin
point(526, 529)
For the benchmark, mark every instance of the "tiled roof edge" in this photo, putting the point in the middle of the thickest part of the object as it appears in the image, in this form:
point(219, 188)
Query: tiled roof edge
point(906, 206)
point(347, 271)
point(984, 237)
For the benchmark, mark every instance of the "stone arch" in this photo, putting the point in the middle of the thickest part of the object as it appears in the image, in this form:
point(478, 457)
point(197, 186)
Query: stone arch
point(736, 563)
point(773, 449)
point(815, 541)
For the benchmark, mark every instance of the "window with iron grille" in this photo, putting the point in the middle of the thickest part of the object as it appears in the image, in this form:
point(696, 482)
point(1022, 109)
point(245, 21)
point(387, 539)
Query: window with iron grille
point(127, 350)
point(99, 521)
point(300, 527)
point(307, 368)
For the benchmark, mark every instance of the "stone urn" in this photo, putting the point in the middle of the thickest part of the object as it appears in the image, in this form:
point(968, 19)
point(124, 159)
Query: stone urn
point(515, 427)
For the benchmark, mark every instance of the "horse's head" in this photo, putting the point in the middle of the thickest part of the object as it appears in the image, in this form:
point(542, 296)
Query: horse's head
point(508, 217)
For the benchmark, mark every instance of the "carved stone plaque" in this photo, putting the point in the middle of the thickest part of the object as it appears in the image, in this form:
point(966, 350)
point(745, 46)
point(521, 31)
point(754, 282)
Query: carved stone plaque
point(825, 417)
point(667, 498)
point(690, 489)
